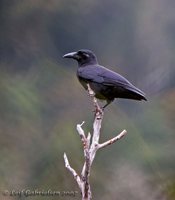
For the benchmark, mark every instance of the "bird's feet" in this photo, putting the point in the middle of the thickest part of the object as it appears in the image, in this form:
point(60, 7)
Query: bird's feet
point(98, 111)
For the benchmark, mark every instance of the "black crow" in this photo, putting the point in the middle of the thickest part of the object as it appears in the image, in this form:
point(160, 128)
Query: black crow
point(106, 83)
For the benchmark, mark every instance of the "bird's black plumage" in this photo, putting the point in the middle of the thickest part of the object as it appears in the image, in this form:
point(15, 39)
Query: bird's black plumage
point(106, 83)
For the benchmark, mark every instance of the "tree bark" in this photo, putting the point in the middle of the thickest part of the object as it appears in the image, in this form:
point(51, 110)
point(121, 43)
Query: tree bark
point(90, 148)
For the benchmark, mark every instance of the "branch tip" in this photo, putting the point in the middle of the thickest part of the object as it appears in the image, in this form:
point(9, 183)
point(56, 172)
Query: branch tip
point(82, 123)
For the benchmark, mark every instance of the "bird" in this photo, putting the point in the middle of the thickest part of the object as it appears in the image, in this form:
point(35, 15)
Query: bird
point(106, 84)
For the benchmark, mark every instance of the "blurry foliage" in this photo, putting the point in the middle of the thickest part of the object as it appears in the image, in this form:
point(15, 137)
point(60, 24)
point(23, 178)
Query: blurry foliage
point(171, 190)
point(42, 101)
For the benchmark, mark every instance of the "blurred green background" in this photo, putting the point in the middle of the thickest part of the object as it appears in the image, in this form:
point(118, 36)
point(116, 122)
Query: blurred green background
point(41, 100)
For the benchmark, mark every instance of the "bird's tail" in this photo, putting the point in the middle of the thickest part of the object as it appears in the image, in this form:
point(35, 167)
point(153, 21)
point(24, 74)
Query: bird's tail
point(131, 92)
point(135, 93)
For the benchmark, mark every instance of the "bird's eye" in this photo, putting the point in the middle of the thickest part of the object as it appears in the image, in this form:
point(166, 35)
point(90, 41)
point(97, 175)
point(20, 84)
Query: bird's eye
point(85, 55)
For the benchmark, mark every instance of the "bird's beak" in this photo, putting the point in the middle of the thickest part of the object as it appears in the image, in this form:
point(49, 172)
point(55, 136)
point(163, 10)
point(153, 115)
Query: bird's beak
point(71, 55)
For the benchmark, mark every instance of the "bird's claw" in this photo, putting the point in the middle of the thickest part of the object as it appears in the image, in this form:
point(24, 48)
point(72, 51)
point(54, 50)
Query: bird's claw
point(98, 110)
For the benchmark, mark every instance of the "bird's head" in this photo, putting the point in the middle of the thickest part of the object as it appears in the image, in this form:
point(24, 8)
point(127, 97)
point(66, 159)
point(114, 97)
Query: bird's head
point(83, 57)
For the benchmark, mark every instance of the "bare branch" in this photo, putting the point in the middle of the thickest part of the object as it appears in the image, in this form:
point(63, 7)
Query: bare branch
point(79, 129)
point(86, 175)
point(74, 173)
point(90, 148)
point(82, 135)
point(89, 139)
point(111, 141)
point(94, 100)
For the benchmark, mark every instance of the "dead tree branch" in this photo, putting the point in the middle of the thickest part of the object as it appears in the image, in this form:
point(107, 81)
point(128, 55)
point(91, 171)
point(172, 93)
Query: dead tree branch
point(90, 148)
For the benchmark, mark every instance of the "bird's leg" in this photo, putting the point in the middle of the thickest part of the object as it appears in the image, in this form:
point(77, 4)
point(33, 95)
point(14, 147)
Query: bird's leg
point(107, 103)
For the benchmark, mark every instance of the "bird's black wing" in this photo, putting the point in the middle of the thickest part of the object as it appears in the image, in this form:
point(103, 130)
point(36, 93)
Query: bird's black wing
point(102, 75)
point(115, 79)
point(91, 73)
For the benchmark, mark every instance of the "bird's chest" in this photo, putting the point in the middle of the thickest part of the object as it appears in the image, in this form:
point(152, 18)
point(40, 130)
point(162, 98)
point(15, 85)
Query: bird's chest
point(94, 86)
point(83, 82)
